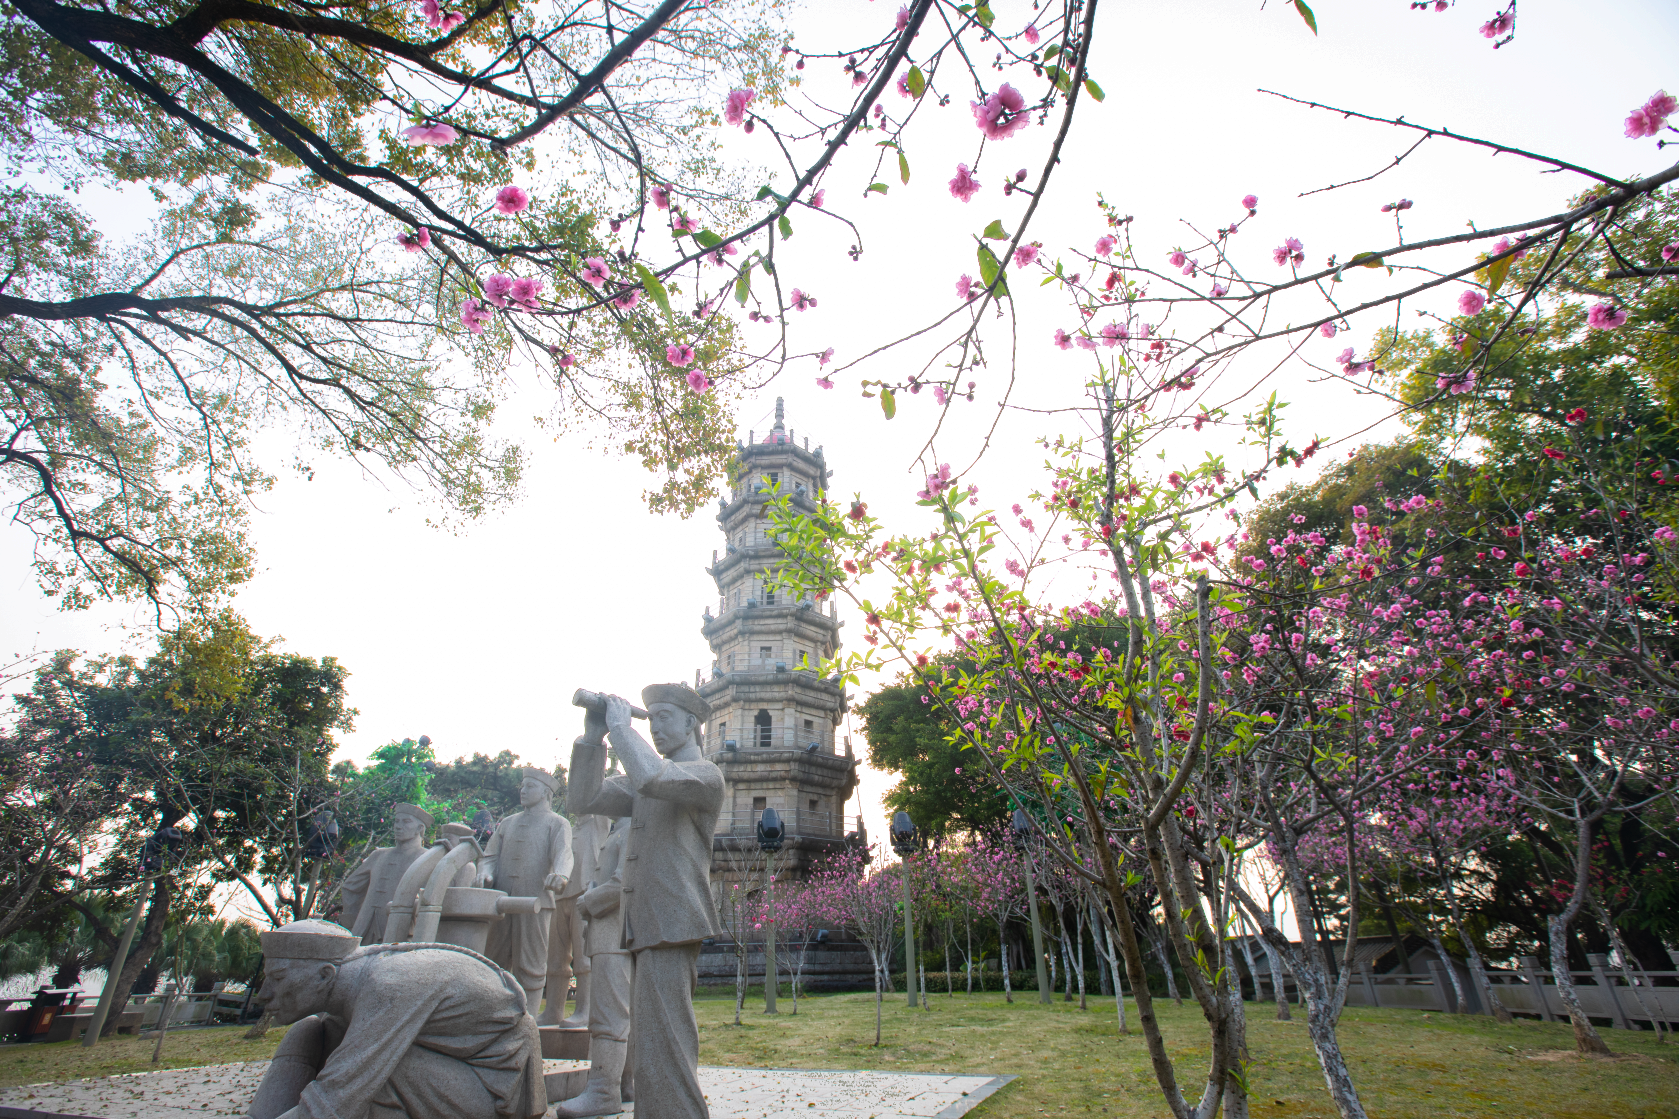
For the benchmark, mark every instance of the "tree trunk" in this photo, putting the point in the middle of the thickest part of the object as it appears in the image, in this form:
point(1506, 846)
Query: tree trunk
point(151, 936)
point(1008, 964)
point(1587, 1041)
point(879, 966)
point(1080, 925)
point(1451, 972)
point(740, 977)
point(1100, 920)
point(1166, 964)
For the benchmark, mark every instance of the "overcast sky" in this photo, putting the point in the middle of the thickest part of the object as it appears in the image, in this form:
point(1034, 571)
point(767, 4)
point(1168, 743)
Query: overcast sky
point(479, 638)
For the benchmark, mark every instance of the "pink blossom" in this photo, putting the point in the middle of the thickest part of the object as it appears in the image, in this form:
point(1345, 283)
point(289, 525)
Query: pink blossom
point(1114, 333)
point(1031, 36)
point(1063, 340)
point(1668, 251)
point(679, 354)
point(685, 223)
point(496, 289)
point(1085, 342)
point(1105, 244)
point(803, 301)
point(1345, 359)
point(626, 299)
point(817, 198)
point(567, 361)
point(511, 199)
point(1471, 302)
point(430, 135)
point(432, 12)
point(901, 84)
point(1498, 25)
point(1144, 330)
point(735, 112)
point(1291, 249)
point(524, 292)
point(450, 21)
point(1002, 114)
point(474, 315)
point(964, 186)
point(661, 196)
point(698, 382)
point(1177, 259)
point(824, 383)
point(595, 272)
point(903, 19)
point(1651, 117)
point(1250, 202)
point(415, 241)
point(1605, 316)
point(1219, 291)
point(827, 356)
point(1328, 329)
point(965, 288)
point(1025, 255)
point(938, 394)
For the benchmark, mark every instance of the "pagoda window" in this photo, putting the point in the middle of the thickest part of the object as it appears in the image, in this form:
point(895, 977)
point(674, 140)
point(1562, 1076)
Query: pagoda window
point(762, 725)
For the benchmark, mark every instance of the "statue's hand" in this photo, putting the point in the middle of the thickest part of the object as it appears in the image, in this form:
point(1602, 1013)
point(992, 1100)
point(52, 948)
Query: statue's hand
point(617, 713)
point(486, 877)
point(555, 884)
point(594, 726)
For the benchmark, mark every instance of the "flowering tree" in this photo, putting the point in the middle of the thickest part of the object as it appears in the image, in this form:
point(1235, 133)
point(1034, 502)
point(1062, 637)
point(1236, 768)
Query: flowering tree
point(866, 902)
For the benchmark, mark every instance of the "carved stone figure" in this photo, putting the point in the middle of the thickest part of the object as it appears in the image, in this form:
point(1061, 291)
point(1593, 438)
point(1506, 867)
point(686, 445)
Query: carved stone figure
point(394, 1031)
point(672, 795)
point(369, 888)
point(567, 957)
point(529, 856)
point(610, 974)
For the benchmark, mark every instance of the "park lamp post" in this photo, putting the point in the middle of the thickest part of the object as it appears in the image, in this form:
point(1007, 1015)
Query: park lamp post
point(904, 842)
point(1020, 829)
point(154, 860)
point(771, 833)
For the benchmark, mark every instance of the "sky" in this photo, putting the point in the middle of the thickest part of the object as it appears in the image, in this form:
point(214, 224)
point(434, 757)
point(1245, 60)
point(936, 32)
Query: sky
point(478, 637)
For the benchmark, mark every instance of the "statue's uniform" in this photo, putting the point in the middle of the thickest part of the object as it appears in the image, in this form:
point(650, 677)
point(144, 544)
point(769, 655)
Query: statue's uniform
point(667, 910)
point(527, 848)
point(369, 888)
point(427, 1031)
point(609, 962)
point(567, 955)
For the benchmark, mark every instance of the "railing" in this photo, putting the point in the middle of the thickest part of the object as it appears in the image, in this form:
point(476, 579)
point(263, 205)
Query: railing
point(797, 821)
point(1603, 991)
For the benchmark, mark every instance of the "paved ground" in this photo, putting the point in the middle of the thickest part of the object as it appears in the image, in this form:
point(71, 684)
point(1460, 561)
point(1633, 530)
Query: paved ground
point(734, 1093)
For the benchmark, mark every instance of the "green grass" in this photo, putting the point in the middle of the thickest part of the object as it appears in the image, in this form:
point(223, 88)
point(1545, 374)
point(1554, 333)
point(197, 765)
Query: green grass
point(1405, 1063)
point(67, 1060)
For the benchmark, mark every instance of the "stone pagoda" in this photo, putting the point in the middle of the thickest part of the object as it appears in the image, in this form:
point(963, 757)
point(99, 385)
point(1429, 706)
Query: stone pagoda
point(775, 724)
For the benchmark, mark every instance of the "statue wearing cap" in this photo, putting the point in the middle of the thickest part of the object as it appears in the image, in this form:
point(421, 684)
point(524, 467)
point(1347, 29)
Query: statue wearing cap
point(673, 796)
point(369, 888)
point(394, 1031)
point(529, 856)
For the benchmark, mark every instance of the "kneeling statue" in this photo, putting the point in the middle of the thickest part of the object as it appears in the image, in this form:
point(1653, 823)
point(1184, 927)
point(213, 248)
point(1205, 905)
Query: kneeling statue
point(394, 1031)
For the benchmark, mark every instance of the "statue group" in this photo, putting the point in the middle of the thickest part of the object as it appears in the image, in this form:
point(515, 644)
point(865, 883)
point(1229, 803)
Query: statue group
point(423, 1007)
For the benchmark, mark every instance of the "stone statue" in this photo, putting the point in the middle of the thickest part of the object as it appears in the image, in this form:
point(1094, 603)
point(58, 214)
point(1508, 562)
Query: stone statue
point(369, 888)
point(610, 972)
point(672, 795)
point(567, 957)
point(529, 856)
point(394, 1031)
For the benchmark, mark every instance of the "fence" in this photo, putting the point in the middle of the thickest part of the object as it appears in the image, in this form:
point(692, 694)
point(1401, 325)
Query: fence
point(1603, 991)
point(142, 1013)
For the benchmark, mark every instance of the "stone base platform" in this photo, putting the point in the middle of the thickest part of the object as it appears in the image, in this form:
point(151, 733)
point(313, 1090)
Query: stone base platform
point(733, 1093)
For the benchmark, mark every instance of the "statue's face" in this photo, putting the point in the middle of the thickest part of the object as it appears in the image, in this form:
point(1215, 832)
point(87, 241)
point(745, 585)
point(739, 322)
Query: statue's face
point(671, 726)
point(532, 792)
point(407, 827)
point(294, 989)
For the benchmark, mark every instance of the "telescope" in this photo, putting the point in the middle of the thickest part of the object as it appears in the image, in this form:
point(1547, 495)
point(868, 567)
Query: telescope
point(594, 701)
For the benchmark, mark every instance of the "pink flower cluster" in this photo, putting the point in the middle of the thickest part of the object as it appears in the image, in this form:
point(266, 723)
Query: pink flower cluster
point(735, 111)
point(1605, 316)
point(415, 241)
point(679, 354)
point(1499, 24)
point(936, 483)
point(501, 290)
point(438, 19)
point(511, 200)
point(964, 186)
point(430, 135)
point(1289, 250)
point(1471, 302)
point(474, 315)
point(1651, 117)
point(1402, 204)
point(1002, 114)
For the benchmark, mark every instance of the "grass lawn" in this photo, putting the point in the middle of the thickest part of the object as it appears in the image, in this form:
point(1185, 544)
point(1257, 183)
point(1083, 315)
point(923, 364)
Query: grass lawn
point(1406, 1064)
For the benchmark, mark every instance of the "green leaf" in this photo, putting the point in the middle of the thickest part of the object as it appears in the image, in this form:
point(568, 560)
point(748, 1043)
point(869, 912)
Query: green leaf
point(903, 169)
point(743, 286)
point(1062, 80)
point(1366, 260)
point(995, 230)
point(983, 14)
point(878, 188)
point(1306, 14)
point(1433, 694)
point(707, 239)
point(785, 226)
point(654, 288)
point(1094, 90)
point(888, 403)
point(1051, 51)
point(917, 82)
point(989, 268)
point(1496, 271)
point(769, 266)
point(764, 192)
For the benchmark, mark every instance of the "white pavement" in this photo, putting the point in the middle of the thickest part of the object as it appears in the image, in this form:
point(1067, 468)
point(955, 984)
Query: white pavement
point(733, 1093)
